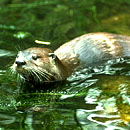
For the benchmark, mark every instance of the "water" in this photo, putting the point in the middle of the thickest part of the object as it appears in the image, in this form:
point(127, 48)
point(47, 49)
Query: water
point(91, 99)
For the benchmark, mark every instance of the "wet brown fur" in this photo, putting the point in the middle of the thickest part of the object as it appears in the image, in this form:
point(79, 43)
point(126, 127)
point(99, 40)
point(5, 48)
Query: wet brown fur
point(85, 50)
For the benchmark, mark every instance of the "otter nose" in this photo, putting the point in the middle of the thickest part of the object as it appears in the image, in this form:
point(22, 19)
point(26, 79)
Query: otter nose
point(20, 63)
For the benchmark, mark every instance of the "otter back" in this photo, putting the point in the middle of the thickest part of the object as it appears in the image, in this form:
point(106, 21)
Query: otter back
point(93, 49)
point(41, 65)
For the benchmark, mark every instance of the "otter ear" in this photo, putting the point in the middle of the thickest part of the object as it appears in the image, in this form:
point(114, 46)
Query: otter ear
point(52, 55)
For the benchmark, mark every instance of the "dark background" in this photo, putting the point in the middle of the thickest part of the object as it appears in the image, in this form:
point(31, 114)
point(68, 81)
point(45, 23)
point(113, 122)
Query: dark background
point(58, 21)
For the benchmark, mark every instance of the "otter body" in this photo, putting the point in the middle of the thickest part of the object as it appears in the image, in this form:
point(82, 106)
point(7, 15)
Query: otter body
point(93, 49)
point(43, 65)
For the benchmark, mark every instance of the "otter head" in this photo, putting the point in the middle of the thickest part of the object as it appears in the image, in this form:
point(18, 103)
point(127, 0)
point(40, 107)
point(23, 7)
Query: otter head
point(39, 65)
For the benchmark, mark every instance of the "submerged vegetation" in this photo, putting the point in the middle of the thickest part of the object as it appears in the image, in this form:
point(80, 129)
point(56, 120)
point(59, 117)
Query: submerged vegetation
point(58, 21)
point(89, 100)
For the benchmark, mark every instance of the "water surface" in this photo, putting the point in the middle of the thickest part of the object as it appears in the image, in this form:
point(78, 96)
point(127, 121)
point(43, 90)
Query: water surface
point(92, 98)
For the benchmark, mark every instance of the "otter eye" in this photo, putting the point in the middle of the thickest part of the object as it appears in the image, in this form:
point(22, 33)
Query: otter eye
point(52, 55)
point(35, 57)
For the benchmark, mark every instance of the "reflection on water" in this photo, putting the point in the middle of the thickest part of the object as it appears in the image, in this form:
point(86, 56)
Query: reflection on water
point(5, 53)
point(6, 119)
point(93, 99)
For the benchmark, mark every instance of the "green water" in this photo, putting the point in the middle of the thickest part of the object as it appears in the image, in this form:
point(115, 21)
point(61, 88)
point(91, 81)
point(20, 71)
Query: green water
point(90, 99)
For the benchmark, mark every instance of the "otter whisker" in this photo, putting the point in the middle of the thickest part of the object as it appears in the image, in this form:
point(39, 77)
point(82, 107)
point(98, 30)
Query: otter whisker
point(14, 73)
point(47, 73)
point(32, 72)
point(36, 75)
point(43, 74)
point(39, 75)
point(12, 70)
point(18, 48)
point(20, 78)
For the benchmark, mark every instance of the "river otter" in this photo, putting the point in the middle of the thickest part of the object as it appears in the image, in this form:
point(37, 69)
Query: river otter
point(43, 65)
